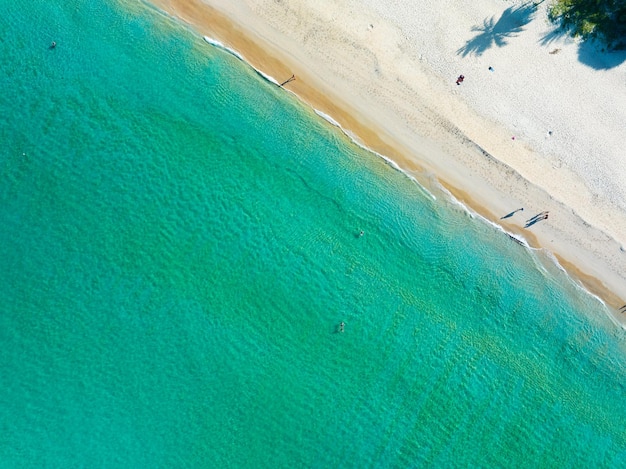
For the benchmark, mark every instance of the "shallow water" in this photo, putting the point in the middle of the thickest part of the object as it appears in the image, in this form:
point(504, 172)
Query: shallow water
point(180, 242)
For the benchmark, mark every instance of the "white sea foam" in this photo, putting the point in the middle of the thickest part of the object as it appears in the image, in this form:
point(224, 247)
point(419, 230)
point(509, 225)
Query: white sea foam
point(576, 284)
point(520, 240)
point(388, 160)
point(539, 264)
point(268, 77)
point(326, 117)
point(216, 43)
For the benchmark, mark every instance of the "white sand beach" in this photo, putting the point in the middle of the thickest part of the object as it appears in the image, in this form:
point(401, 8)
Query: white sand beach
point(539, 121)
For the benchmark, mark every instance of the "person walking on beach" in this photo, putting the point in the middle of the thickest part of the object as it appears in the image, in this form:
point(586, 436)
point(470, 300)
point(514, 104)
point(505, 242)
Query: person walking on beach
point(460, 79)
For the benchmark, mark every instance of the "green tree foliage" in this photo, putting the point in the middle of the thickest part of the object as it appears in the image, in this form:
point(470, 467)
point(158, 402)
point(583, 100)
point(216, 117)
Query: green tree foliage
point(592, 19)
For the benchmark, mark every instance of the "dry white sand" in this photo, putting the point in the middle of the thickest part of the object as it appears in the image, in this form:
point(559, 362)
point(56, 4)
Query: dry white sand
point(394, 65)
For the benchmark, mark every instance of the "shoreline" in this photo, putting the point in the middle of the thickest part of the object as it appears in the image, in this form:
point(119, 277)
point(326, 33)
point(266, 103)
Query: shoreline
point(426, 153)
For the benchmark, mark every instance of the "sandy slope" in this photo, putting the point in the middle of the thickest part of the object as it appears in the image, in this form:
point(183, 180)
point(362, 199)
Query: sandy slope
point(386, 71)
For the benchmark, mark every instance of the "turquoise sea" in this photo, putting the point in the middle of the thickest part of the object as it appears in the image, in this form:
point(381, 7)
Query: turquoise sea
point(179, 243)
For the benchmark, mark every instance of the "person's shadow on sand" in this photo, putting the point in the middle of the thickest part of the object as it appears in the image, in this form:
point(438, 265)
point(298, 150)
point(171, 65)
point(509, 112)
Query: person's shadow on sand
point(509, 215)
point(540, 216)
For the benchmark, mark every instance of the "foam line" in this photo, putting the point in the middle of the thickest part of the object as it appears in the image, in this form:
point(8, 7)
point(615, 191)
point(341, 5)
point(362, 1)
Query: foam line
point(388, 160)
point(520, 240)
point(216, 43)
point(326, 117)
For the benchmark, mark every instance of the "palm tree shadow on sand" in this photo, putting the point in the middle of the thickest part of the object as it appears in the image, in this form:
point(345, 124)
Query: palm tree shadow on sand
point(495, 33)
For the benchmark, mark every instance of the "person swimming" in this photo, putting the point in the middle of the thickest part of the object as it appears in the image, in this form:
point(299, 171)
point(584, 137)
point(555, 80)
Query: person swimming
point(341, 326)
